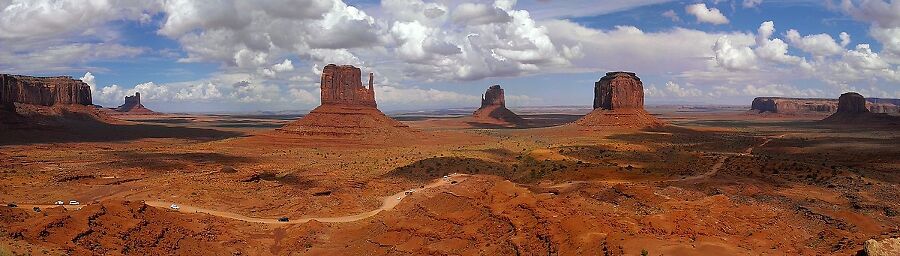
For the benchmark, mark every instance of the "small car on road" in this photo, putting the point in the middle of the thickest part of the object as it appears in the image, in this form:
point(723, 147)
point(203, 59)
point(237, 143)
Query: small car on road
point(60, 202)
point(73, 202)
point(174, 207)
point(283, 219)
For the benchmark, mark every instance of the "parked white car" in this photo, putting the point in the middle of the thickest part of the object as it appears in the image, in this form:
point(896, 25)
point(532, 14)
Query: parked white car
point(174, 207)
point(73, 202)
point(60, 202)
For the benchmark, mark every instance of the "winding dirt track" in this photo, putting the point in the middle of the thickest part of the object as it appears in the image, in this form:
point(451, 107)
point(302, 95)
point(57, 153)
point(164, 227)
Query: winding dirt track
point(718, 165)
point(388, 203)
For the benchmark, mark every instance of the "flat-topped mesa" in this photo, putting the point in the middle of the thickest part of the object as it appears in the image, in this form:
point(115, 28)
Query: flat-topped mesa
point(43, 91)
point(619, 90)
point(816, 106)
point(493, 97)
point(342, 85)
point(793, 105)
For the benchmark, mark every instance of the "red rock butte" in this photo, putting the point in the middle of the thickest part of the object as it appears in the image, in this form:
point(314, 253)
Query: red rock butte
point(348, 109)
point(493, 108)
point(852, 110)
point(133, 106)
point(43, 91)
point(618, 102)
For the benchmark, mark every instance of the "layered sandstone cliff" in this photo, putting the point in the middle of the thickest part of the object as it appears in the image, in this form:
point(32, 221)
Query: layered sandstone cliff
point(348, 110)
point(133, 106)
point(493, 108)
point(618, 102)
point(43, 91)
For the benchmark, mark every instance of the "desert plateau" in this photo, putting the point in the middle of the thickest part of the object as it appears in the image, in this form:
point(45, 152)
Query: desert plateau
point(410, 127)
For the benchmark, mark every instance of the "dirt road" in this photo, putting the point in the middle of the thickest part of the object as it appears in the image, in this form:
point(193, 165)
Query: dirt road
point(387, 204)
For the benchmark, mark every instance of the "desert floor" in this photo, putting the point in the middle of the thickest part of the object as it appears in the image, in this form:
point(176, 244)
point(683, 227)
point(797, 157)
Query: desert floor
point(716, 181)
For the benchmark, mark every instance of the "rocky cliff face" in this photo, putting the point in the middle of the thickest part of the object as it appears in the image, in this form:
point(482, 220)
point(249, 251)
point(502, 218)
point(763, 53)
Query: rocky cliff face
point(619, 90)
point(133, 105)
point(618, 103)
point(341, 85)
point(44, 91)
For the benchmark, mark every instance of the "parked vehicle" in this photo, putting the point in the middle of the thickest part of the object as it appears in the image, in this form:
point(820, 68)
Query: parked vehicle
point(73, 202)
point(60, 202)
point(36, 209)
point(12, 205)
point(283, 219)
point(174, 207)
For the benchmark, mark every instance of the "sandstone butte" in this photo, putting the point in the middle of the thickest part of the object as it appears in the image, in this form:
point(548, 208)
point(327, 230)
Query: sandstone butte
point(493, 108)
point(348, 109)
point(618, 102)
point(816, 106)
point(851, 110)
point(133, 106)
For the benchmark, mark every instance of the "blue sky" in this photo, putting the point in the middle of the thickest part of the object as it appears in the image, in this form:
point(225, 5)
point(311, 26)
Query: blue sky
point(241, 56)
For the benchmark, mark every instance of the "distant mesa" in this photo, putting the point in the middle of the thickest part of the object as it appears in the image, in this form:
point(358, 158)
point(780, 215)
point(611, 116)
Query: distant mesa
point(348, 109)
point(31, 102)
point(852, 110)
point(618, 102)
point(133, 106)
point(493, 108)
point(816, 106)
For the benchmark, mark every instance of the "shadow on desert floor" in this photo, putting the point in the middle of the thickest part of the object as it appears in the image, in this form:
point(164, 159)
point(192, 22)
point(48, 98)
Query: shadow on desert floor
point(110, 133)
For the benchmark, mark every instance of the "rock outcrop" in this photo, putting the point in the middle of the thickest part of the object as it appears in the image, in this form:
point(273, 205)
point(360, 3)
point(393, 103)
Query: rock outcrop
point(341, 86)
point(619, 90)
point(348, 110)
point(816, 106)
point(133, 106)
point(852, 111)
point(493, 108)
point(618, 102)
point(43, 91)
point(886, 247)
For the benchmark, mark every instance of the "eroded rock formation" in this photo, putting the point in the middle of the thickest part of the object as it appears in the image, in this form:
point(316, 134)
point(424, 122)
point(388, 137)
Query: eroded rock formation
point(133, 105)
point(43, 91)
point(852, 103)
point(852, 111)
point(348, 110)
point(618, 102)
point(341, 85)
point(619, 90)
point(493, 108)
point(816, 106)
